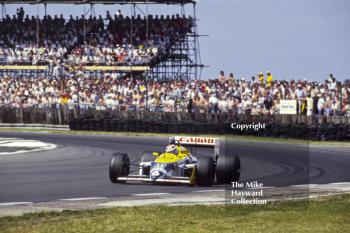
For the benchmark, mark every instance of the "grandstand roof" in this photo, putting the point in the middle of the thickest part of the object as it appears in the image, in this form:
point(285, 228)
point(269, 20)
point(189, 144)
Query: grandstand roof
point(97, 1)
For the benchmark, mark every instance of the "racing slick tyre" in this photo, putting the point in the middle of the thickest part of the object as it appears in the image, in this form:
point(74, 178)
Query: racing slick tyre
point(119, 166)
point(205, 171)
point(228, 169)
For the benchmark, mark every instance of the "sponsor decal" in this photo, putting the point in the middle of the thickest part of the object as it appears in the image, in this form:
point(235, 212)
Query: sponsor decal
point(196, 140)
point(155, 173)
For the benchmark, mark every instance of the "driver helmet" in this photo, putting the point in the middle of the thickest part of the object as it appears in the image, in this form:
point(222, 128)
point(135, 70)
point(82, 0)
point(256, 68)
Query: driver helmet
point(171, 149)
point(172, 142)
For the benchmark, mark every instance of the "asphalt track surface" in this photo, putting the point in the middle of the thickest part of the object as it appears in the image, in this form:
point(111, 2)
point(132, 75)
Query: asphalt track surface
point(78, 167)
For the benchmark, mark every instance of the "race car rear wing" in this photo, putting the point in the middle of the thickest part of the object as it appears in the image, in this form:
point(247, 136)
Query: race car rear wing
point(198, 142)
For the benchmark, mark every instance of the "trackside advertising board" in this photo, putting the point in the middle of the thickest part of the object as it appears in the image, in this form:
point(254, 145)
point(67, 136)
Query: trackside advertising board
point(288, 107)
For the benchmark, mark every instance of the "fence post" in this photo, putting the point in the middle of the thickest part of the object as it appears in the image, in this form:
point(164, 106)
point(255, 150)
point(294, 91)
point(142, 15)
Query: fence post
point(59, 115)
point(19, 115)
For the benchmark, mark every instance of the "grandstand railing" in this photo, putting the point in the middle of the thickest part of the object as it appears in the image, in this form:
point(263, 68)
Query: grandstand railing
point(62, 114)
point(47, 71)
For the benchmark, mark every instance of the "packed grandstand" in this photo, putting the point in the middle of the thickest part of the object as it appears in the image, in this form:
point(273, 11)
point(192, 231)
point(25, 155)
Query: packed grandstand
point(107, 41)
point(88, 41)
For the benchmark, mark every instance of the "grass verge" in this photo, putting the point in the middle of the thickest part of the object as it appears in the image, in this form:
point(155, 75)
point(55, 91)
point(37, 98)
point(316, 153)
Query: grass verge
point(328, 214)
point(229, 137)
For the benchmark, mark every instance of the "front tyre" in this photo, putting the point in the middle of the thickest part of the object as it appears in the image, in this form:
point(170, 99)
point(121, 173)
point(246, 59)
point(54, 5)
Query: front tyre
point(228, 169)
point(119, 166)
point(205, 171)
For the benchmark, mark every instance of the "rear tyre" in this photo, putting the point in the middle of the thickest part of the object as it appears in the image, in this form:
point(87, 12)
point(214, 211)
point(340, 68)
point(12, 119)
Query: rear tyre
point(119, 166)
point(205, 171)
point(228, 169)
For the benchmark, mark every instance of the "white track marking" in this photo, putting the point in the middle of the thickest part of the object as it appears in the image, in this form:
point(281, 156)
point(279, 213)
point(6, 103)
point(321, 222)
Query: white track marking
point(209, 191)
point(341, 186)
point(33, 145)
point(166, 201)
point(83, 199)
point(15, 203)
point(149, 194)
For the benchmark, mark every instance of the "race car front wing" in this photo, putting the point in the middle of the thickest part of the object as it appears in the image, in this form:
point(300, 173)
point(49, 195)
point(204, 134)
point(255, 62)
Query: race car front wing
point(173, 179)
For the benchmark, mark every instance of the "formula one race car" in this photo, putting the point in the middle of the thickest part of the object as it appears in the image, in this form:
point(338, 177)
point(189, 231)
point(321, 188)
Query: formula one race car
point(178, 164)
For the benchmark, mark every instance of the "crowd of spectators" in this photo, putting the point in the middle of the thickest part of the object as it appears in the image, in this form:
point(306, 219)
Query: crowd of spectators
point(90, 40)
point(122, 40)
point(222, 95)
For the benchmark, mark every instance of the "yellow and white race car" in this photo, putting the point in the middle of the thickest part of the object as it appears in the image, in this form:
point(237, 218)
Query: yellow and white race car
point(178, 164)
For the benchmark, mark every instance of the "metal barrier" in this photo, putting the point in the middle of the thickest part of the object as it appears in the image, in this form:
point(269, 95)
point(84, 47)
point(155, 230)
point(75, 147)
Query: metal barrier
point(287, 126)
point(62, 114)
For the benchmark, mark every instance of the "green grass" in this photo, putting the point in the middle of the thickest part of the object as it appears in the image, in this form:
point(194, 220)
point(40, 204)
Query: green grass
point(329, 214)
point(229, 137)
